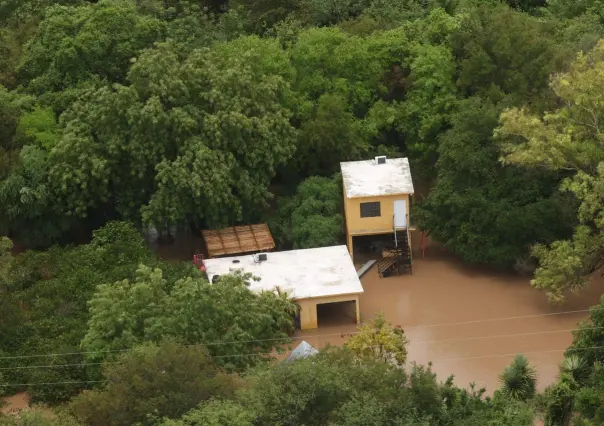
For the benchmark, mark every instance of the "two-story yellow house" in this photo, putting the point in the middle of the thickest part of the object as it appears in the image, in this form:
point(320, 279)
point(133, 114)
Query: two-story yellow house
point(377, 196)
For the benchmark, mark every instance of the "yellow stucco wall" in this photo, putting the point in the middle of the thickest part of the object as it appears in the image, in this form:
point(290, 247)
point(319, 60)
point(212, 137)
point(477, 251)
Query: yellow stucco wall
point(357, 225)
point(308, 309)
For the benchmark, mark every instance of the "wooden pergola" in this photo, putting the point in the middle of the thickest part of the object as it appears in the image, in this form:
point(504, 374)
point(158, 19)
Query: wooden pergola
point(238, 239)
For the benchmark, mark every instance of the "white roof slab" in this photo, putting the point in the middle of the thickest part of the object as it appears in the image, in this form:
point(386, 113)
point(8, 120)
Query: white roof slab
point(368, 179)
point(315, 272)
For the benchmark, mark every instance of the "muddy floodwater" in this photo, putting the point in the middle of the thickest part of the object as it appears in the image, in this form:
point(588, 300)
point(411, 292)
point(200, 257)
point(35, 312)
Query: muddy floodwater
point(466, 321)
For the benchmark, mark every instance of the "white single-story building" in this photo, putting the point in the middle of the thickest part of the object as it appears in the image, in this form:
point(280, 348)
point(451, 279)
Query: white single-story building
point(310, 276)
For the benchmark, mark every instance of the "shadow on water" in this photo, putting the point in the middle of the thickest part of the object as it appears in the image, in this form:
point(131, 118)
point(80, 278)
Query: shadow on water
point(182, 247)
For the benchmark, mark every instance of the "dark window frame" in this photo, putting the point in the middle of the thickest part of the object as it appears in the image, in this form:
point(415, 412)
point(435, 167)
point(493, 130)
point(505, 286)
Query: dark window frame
point(371, 209)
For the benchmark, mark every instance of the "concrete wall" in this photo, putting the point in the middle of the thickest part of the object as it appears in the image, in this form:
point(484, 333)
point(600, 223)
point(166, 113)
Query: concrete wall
point(308, 309)
point(357, 225)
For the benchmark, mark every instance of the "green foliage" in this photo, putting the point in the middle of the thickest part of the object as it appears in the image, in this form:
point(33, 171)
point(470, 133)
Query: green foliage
point(29, 202)
point(572, 8)
point(150, 382)
point(567, 139)
point(41, 126)
point(188, 141)
point(480, 210)
point(332, 134)
point(168, 112)
point(578, 394)
point(191, 310)
point(12, 107)
point(216, 413)
point(589, 338)
point(502, 53)
point(45, 297)
point(590, 398)
point(519, 379)
point(501, 412)
point(378, 338)
point(37, 417)
point(313, 217)
point(336, 387)
point(74, 43)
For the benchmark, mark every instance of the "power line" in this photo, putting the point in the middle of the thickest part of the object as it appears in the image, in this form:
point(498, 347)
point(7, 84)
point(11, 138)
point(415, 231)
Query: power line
point(514, 354)
point(435, 359)
point(52, 366)
point(306, 337)
point(496, 336)
point(49, 383)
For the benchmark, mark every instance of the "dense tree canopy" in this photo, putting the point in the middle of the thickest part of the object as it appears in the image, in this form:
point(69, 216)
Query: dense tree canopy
point(313, 216)
point(191, 310)
point(335, 387)
point(494, 213)
point(567, 139)
point(151, 382)
point(127, 115)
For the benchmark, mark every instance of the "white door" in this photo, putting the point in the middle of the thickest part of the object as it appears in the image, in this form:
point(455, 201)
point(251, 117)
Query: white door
point(400, 213)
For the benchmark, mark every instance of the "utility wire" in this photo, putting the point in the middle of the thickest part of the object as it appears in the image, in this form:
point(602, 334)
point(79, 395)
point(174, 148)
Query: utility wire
point(50, 383)
point(435, 359)
point(307, 337)
point(496, 336)
point(53, 366)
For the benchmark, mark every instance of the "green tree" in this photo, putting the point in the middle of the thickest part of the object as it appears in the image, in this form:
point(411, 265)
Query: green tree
point(216, 413)
point(573, 8)
point(378, 338)
point(502, 52)
point(30, 201)
point(568, 140)
point(150, 382)
point(40, 126)
point(482, 211)
point(337, 387)
point(519, 379)
point(44, 305)
point(194, 141)
point(37, 417)
point(12, 107)
point(331, 135)
point(74, 43)
point(589, 401)
point(313, 216)
point(192, 311)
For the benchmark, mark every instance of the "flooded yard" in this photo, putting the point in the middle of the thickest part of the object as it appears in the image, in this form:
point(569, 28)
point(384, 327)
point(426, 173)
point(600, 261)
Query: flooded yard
point(469, 322)
point(466, 320)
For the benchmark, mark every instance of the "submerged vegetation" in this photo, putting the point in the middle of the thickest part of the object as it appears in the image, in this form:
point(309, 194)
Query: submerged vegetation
point(123, 115)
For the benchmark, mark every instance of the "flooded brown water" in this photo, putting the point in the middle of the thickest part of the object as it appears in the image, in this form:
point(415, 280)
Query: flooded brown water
point(14, 403)
point(468, 322)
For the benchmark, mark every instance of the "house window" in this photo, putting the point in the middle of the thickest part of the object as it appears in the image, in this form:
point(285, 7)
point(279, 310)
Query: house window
point(370, 209)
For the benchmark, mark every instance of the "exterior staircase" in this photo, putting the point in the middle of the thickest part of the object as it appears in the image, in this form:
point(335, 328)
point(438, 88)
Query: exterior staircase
point(398, 257)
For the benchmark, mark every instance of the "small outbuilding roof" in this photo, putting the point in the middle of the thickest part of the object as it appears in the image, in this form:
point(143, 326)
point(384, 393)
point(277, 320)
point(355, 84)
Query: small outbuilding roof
point(238, 240)
point(314, 272)
point(367, 178)
point(303, 350)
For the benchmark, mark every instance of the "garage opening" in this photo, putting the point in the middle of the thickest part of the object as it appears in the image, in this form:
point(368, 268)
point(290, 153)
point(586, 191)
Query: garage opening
point(337, 313)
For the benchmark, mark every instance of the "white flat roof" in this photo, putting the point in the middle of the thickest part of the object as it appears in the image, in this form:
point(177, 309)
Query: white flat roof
point(315, 272)
point(368, 179)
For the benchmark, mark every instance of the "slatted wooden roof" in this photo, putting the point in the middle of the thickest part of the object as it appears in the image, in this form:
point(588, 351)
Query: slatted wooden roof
point(238, 239)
